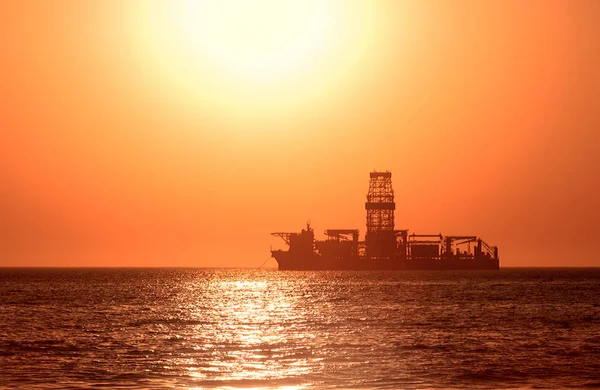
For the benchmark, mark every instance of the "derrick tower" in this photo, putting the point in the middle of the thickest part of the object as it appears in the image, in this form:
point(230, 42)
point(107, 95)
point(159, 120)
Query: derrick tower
point(380, 239)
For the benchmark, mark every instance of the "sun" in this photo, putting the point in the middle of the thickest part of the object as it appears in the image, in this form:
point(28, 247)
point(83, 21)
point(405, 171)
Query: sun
point(225, 60)
point(251, 39)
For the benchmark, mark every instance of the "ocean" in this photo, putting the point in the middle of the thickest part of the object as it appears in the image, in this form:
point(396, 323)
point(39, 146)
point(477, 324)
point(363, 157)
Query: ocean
point(205, 328)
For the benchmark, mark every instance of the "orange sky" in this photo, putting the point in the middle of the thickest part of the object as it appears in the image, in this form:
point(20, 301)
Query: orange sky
point(118, 149)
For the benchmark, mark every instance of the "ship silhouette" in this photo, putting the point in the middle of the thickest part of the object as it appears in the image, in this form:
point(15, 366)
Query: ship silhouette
point(384, 247)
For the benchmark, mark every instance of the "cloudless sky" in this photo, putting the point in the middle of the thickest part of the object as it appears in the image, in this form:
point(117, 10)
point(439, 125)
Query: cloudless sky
point(128, 140)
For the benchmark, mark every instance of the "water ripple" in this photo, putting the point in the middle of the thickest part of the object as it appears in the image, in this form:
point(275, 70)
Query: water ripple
point(192, 328)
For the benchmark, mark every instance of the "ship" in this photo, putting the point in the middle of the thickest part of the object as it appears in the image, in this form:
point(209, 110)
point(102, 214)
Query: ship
point(384, 247)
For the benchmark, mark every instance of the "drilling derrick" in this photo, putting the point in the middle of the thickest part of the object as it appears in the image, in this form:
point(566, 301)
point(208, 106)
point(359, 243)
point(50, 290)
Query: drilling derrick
point(380, 239)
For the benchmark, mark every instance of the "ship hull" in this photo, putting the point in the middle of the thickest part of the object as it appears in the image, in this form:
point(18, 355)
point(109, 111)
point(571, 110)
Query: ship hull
point(315, 262)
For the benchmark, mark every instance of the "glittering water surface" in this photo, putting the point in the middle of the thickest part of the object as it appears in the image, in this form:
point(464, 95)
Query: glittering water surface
point(184, 328)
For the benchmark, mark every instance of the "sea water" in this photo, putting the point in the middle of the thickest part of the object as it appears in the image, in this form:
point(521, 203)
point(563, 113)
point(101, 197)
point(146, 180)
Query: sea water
point(185, 328)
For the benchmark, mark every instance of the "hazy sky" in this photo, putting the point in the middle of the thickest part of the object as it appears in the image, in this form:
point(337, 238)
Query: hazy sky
point(145, 133)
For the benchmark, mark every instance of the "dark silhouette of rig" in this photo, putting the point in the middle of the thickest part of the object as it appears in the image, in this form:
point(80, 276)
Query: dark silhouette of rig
point(384, 247)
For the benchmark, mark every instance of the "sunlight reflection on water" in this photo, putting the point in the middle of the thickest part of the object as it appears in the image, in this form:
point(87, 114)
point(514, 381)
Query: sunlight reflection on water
point(243, 322)
point(294, 330)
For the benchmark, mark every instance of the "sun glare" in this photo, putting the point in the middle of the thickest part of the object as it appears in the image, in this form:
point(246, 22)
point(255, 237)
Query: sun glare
point(252, 57)
point(259, 38)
